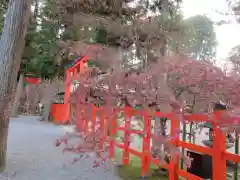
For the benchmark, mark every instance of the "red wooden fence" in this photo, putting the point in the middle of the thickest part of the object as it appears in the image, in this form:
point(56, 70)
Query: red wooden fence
point(32, 80)
point(218, 152)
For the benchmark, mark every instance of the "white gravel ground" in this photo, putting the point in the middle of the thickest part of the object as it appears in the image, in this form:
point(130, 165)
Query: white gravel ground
point(32, 155)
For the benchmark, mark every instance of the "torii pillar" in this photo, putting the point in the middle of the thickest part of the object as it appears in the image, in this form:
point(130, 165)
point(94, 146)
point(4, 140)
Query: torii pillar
point(77, 68)
point(60, 112)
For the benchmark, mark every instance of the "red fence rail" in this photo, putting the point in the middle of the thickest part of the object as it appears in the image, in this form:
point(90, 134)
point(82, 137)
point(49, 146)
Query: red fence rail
point(218, 152)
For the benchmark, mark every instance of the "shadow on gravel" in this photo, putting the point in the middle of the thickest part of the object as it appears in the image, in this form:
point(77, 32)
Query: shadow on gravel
point(32, 155)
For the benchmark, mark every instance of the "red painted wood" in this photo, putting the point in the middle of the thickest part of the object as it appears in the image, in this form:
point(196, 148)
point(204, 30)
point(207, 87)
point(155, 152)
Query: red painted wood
point(102, 129)
point(146, 156)
point(156, 162)
point(128, 115)
point(71, 73)
point(113, 131)
point(58, 113)
point(75, 73)
point(67, 93)
point(174, 160)
point(194, 147)
point(218, 151)
point(132, 151)
point(94, 118)
point(219, 148)
point(232, 157)
point(78, 64)
point(132, 131)
point(32, 80)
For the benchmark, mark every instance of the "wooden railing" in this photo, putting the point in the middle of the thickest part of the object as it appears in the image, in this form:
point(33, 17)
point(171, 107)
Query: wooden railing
point(218, 152)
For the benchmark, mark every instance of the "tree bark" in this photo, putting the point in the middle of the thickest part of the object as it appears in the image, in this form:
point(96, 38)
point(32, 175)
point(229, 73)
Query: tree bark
point(15, 108)
point(49, 94)
point(11, 48)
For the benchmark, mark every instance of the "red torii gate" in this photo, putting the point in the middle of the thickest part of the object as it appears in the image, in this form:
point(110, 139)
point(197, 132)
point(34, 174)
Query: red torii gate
point(60, 112)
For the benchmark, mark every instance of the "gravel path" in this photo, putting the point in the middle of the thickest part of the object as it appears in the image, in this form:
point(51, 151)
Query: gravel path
point(32, 155)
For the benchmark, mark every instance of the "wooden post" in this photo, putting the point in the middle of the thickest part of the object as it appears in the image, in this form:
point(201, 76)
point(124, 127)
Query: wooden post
point(75, 73)
point(219, 148)
point(94, 118)
point(174, 161)
point(146, 145)
point(70, 117)
point(81, 67)
point(113, 131)
point(127, 127)
point(67, 93)
point(103, 129)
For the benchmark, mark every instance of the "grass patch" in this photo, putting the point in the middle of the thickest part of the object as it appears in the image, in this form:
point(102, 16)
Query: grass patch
point(134, 161)
point(133, 170)
point(130, 172)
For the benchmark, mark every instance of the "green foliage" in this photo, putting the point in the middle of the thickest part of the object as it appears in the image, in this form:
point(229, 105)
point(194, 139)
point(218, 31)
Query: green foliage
point(201, 37)
point(101, 35)
point(42, 39)
point(3, 8)
point(40, 67)
point(51, 24)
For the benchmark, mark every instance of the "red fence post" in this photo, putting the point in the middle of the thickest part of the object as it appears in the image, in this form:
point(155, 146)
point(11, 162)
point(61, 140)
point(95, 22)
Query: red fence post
point(84, 125)
point(85, 120)
point(71, 113)
point(102, 129)
point(75, 73)
point(67, 93)
point(146, 145)
point(113, 131)
point(127, 127)
point(174, 161)
point(219, 148)
point(94, 118)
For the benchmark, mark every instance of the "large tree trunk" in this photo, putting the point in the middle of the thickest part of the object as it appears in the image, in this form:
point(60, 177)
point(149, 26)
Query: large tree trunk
point(31, 99)
point(11, 47)
point(50, 91)
point(15, 108)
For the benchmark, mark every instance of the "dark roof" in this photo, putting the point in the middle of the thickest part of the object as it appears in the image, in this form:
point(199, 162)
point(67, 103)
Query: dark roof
point(30, 75)
point(220, 106)
point(73, 62)
point(207, 125)
point(60, 93)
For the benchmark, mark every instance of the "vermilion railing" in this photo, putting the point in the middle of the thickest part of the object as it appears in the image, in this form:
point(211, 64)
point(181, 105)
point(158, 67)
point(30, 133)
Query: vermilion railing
point(32, 80)
point(218, 152)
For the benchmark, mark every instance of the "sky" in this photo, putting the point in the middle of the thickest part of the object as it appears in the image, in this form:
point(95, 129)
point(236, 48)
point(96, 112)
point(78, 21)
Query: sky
point(228, 36)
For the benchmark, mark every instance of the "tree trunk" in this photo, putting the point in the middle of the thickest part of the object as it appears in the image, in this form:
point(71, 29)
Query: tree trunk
point(11, 47)
point(3, 143)
point(163, 48)
point(36, 11)
point(49, 95)
point(46, 110)
point(15, 108)
point(31, 99)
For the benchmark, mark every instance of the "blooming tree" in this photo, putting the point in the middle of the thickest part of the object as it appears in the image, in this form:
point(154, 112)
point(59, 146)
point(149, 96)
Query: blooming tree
point(165, 86)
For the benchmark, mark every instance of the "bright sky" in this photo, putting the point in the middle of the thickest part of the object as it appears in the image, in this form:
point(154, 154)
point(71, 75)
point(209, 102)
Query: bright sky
point(228, 36)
